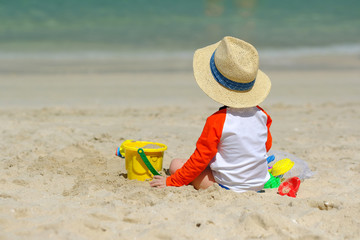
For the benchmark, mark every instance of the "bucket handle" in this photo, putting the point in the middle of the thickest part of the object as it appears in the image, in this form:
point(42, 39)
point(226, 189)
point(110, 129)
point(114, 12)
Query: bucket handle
point(147, 163)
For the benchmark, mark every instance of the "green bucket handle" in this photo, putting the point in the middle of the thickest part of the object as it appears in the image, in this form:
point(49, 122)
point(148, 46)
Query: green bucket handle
point(147, 163)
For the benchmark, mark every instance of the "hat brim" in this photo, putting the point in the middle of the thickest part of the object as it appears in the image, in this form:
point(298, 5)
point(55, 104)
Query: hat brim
point(221, 94)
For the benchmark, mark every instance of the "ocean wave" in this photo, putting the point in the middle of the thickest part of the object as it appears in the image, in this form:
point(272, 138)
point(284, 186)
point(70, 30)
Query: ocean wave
point(265, 53)
point(344, 49)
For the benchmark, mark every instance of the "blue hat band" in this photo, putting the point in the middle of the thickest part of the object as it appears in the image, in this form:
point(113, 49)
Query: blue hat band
point(224, 81)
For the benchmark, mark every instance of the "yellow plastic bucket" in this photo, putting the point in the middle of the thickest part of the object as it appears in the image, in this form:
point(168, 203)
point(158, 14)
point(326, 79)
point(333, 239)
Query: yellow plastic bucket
point(134, 164)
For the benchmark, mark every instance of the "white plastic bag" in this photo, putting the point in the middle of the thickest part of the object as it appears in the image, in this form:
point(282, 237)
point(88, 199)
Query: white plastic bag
point(300, 168)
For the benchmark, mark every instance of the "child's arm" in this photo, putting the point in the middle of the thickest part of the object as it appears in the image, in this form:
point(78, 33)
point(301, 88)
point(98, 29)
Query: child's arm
point(206, 148)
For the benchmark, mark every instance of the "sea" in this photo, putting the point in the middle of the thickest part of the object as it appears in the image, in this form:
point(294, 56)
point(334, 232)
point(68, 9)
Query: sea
point(43, 39)
point(169, 26)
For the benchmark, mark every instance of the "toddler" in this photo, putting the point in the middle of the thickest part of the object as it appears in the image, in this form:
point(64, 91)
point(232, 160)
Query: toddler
point(233, 145)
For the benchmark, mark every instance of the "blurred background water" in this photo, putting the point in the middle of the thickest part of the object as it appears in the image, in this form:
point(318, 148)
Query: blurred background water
point(129, 26)
point(55, 52)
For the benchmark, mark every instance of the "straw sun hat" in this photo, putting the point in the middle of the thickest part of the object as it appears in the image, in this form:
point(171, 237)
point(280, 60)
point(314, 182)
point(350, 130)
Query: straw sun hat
point(228, 72)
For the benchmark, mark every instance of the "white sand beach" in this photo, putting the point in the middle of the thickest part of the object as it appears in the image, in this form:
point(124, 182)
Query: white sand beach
point(61, 121)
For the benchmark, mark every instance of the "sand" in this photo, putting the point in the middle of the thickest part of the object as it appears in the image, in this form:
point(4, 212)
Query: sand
point(61, 121)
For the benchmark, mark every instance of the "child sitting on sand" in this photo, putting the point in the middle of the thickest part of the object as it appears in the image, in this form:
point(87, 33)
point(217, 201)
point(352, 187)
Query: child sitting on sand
point(233, 146)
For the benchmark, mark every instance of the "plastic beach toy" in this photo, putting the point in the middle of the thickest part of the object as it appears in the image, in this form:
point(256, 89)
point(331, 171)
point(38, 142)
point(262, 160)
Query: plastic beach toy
point(143, 159)
point(273, 182)
point(270, 158)
point(289, 187)
point(281, 167)
point(300, 168)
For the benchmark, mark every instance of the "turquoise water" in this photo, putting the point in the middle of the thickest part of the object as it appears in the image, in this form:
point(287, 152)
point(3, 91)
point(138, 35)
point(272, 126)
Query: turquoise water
point(135, 25)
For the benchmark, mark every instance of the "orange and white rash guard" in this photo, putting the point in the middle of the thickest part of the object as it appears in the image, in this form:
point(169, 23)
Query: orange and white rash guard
point(234, 143)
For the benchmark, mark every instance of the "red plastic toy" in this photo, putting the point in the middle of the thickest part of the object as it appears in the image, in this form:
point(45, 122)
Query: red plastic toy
point(289, 187)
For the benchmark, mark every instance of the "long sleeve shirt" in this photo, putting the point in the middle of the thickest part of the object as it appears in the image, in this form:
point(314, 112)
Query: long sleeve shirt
point(234, 143)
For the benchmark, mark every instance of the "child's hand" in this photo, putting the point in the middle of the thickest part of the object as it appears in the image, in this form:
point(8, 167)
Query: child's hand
point(158, 181)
